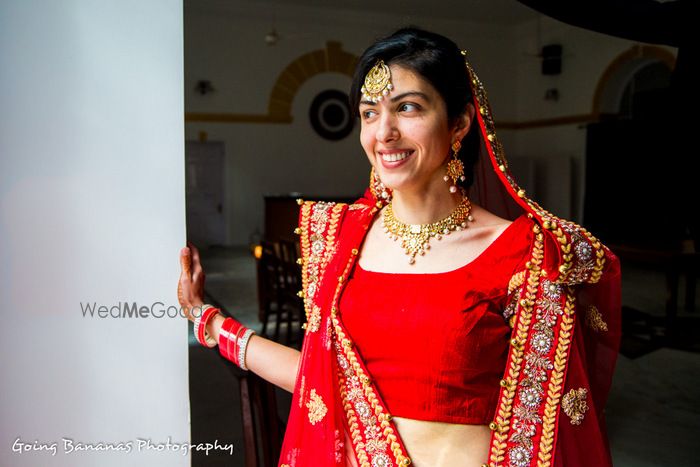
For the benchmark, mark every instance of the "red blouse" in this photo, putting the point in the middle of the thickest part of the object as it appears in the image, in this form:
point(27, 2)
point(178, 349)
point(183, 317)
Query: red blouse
point(436, 344)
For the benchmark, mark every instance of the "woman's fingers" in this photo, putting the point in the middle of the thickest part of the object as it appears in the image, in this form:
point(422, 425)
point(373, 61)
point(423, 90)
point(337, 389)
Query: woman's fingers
point(190, 287)
point(186, 261)
point(184, 285)
point(197, 271)
point(196, 263)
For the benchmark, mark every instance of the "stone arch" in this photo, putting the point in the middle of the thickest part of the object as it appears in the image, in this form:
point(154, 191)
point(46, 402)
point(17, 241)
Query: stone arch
point(614, 79)
point(279, 108)
point(330, 59)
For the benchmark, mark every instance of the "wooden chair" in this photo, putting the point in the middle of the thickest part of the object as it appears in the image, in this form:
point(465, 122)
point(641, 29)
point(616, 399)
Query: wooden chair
point(279, 280)
point(291, 301)
point(263, 431)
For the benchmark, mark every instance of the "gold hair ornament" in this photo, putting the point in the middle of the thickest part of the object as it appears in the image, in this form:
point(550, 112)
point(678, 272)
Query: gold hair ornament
point(377, 82)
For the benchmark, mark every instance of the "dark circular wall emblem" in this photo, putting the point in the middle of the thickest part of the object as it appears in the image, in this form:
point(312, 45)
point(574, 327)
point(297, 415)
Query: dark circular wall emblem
point(330, 115)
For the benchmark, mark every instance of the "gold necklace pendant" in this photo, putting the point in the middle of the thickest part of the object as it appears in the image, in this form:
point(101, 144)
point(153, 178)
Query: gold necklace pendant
point(415, 238)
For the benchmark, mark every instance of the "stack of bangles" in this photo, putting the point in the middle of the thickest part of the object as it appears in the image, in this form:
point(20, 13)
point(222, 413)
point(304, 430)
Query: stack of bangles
point(233, 337)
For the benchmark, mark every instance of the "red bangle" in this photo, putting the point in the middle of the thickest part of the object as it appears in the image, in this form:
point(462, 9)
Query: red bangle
point(202, 335)
point(227, 337)
point(223, 337)
point(231, 344)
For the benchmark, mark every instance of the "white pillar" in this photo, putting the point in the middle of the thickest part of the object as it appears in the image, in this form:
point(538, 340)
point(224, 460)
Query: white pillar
point(91, 211)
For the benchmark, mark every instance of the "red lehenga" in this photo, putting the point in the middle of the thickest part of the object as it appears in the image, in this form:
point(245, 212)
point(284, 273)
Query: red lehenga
point(565, 319)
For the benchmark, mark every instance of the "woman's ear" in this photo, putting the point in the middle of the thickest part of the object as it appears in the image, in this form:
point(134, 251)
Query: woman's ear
point(464, 123)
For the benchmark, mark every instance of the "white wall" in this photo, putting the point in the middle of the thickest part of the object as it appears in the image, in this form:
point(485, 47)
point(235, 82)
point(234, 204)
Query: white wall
point(91, 210)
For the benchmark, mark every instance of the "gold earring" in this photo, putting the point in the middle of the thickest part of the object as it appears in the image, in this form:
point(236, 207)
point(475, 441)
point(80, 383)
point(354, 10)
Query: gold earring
point(380, 192)
point(455, 168)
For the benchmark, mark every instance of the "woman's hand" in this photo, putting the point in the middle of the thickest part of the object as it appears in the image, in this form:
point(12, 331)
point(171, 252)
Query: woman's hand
point(190, 288)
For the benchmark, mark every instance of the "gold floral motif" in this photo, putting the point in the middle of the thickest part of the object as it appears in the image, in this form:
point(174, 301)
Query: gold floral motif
point(327, 335)
point(317, 409)
point(375, 445)
point(574, 405)
point(314, 322)
point(594, 319)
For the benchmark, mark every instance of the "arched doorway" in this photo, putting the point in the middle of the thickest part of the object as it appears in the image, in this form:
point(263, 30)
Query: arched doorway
point(628, 162)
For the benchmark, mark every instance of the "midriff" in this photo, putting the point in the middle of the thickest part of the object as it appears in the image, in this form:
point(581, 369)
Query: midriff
point(437, 444)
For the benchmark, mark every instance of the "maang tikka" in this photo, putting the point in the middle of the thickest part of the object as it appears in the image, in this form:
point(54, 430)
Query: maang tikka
point(377, 83)
point(455, 168)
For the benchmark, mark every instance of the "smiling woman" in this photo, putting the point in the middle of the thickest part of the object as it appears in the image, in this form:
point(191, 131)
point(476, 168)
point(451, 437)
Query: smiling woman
point(471, 342)
point(406, 137)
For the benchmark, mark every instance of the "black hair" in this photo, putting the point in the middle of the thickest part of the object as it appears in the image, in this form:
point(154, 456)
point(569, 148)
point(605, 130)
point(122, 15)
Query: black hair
point(439, 61)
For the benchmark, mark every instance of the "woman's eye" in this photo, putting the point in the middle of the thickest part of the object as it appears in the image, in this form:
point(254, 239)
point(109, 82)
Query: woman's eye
point(368, 113)
point(407, 107)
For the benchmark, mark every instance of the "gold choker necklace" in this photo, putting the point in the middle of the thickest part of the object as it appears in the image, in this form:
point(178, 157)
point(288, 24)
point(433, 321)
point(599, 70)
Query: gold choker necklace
point(415, 238)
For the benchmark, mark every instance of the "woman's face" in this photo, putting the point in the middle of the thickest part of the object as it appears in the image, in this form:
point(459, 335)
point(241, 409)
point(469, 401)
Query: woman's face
point(406, 136)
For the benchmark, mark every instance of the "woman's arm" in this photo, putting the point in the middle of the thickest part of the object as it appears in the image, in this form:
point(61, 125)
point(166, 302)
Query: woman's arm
point(273, 362)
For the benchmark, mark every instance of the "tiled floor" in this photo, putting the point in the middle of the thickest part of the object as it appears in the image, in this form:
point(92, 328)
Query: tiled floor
point(653, 412)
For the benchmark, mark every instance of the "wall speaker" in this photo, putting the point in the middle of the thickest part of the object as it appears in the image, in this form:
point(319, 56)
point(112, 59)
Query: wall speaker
point(551, 59)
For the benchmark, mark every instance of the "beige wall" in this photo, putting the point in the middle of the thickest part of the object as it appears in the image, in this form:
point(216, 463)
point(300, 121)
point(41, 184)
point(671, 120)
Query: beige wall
point(586, 56)
point(224, 43)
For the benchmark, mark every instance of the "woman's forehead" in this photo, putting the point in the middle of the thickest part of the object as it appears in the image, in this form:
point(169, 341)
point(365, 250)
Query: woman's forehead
point(406, 78)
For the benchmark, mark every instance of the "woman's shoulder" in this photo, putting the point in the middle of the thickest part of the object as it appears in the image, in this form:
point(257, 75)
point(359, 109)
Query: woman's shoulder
point(519, 228)
point(573, 255)
point(332, 218)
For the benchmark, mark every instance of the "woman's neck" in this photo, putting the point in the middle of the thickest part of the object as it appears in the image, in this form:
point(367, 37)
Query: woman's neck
point(426, 206)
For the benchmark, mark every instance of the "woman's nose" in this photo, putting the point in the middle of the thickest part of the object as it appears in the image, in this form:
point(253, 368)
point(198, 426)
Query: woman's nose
point(388, 130)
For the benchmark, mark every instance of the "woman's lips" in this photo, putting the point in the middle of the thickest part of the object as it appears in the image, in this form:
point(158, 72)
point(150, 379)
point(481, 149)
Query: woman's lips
point(393, 159)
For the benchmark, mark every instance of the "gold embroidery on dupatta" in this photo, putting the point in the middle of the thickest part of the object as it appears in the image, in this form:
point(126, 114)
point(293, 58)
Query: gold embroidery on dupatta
point(301, 391)
point(317, 246)
point(317, 409)
point(594, 319)
point(516, 281)
point(556, 381)
point(314, 320)
point(318, 227)
point(371, 431)
point(515, 286)
point(585, 263)
point(501, 425)
point(574, 405)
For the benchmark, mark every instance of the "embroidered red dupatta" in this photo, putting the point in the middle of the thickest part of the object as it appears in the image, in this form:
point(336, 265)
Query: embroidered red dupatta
point(565, 315)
